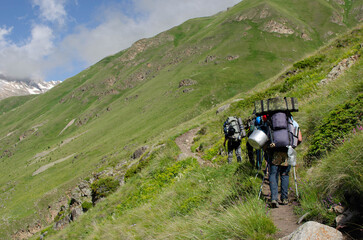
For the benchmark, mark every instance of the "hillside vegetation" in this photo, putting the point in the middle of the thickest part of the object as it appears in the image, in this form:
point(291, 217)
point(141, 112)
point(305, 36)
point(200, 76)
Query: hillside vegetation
point(153, 92)
point(168, 199)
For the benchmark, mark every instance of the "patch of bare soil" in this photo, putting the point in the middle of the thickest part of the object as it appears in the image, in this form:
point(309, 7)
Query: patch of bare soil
point(185, 143)
point(283, 216)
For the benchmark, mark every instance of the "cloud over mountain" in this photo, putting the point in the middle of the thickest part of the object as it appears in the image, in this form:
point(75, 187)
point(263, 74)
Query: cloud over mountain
point(59, 45)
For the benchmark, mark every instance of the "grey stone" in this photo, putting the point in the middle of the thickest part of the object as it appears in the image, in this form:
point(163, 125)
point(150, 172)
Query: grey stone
point(76, 212)
point(346, 218)
point(85, 189)
point(187, 82)
point(139, 152)
point(314, 231)
point(338, 209)
point(223, 108)
point(62, 223)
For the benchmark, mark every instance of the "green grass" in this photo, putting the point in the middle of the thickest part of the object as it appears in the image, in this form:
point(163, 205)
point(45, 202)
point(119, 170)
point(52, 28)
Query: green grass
point(117, 112)
point(335, 181)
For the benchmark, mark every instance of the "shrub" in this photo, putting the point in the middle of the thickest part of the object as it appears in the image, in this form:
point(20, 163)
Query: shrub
point(311, 62)
point(136, 168)
point(103, 187)
point(335, 126)
point(189, 204)
point(86, 206)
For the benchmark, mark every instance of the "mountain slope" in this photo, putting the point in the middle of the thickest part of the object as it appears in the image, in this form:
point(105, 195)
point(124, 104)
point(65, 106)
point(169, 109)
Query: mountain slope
point(166, 196)
point(99, 117)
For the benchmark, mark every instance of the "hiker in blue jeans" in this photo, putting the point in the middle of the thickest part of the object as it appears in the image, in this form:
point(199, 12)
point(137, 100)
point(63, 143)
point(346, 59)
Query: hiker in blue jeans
point(278, 169)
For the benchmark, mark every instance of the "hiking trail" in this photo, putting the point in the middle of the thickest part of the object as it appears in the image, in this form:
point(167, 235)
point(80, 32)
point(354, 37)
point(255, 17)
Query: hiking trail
point(185, 143)
point(283, 217)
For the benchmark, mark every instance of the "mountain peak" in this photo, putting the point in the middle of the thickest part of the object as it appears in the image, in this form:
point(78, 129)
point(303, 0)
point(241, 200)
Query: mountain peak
point(9, 88)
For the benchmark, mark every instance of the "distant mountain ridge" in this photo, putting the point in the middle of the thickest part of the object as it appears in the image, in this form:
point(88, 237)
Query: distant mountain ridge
point(20, 88)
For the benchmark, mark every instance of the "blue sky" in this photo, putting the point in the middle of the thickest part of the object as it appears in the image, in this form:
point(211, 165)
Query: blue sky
point(56, 39)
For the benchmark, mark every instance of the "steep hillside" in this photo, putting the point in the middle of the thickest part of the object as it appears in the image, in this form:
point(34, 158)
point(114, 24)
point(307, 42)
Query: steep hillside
point(168, 195)
point(99, 117)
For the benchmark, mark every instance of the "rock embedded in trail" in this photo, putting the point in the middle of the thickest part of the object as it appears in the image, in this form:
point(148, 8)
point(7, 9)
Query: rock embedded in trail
point(314, 231)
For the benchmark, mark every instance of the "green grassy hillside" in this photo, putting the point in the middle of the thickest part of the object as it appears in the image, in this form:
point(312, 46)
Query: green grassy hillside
point(168, 199)
point(134, 98)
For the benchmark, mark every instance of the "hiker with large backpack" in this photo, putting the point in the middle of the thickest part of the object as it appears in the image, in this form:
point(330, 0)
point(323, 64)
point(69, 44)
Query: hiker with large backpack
point(260, 124)
point(233, 129)
point(279, 166)
point(283, 136)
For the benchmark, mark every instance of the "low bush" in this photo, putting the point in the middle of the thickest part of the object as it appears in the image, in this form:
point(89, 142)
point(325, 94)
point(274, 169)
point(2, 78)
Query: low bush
point(103, 187)
point(86, 206)
point(334, 127)
point(311, 62)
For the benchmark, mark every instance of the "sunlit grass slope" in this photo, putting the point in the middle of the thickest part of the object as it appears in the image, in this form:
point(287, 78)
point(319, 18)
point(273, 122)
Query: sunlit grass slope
point(169, 199)
point(133, 98)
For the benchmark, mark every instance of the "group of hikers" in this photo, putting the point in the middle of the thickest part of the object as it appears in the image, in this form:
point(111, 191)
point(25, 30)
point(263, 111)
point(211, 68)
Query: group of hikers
point(272, 135)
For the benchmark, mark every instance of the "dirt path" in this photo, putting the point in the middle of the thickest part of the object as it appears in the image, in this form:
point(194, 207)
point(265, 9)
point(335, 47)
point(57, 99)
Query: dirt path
point(185, 143)
point(45, 167)
point(283, 216)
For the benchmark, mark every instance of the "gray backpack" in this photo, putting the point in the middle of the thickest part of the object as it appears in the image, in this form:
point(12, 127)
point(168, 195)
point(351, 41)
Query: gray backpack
point(233, 128)
point(282, 130)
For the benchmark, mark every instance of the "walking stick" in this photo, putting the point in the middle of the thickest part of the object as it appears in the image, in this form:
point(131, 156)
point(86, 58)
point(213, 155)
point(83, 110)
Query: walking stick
point(263, 179)
point(297, 193)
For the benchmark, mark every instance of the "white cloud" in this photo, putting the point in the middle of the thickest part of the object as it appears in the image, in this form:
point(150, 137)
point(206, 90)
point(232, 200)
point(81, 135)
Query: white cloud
point(40, 54)
point(118, 31)
point(52, 10)
point(27, 60)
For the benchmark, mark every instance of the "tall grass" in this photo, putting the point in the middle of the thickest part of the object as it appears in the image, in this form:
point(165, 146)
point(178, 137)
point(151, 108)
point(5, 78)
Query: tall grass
point(336, 179)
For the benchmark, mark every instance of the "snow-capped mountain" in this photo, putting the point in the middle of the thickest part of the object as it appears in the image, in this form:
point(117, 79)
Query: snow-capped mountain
point(19, 88)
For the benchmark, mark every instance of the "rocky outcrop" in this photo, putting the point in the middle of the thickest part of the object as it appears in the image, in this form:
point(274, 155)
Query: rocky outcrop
point(276, 27)
point(187, 82)
point(314, 231)
point(139, 152)
point(223, 108)
point(144, 44)
point(209, 59)
point(231, 58)
point(339, 69)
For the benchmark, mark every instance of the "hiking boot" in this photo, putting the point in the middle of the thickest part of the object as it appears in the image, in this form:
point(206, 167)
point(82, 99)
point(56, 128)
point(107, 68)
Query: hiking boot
point(284, 201)
point(274, 204)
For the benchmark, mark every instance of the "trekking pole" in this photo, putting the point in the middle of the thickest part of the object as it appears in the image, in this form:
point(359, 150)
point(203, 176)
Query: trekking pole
point(263, 179)
point(297, 193)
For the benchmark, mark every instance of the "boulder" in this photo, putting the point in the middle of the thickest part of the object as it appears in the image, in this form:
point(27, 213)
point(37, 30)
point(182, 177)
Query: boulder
point(85, 189)
point(347, 218)
point(314, 231)
point(76, 212)
point(139, 152)
point(62, 223)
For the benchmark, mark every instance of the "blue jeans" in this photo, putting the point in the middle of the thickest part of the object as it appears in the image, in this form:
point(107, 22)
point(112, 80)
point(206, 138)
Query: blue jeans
point(275, 171)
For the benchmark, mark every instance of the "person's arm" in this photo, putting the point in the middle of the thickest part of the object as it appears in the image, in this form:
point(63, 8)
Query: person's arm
point(299, 137)
point(225, 140)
